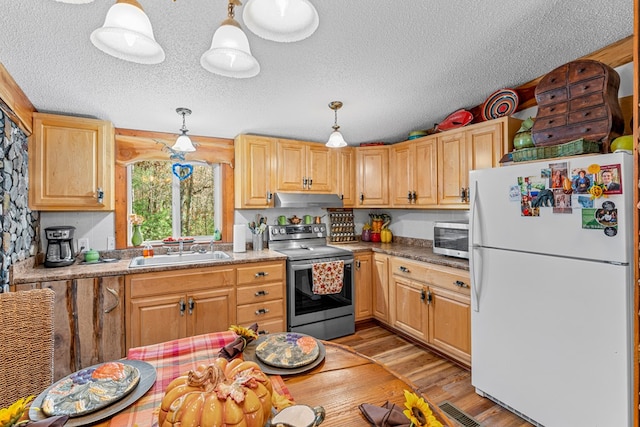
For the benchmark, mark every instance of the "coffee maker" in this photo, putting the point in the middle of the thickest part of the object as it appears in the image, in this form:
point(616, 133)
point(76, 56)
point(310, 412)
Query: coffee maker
point(60, 251)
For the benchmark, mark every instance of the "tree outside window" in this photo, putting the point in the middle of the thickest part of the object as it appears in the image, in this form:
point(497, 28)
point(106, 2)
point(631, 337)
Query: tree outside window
point(170, 206)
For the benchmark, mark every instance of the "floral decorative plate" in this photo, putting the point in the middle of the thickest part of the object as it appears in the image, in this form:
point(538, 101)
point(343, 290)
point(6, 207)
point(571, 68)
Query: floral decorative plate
point(287, 349)
point(90, 389)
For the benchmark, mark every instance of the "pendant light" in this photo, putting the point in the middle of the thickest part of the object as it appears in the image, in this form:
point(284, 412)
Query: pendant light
point(335, 139)
point(230, 55)
point(183, 143)
point(281, 20)
point(127, 34)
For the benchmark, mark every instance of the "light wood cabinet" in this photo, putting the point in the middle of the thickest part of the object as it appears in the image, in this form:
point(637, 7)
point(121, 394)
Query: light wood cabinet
point(363, 285)
point(260, 296)
point(380, 284)
point(345, 186)
point(432, 304)
point(372, 172)
point(478, 146)
point(413, 180)
point(71, 164)
point(168, 305)
point(304, 166)
point(254, 171)
point(88, 321)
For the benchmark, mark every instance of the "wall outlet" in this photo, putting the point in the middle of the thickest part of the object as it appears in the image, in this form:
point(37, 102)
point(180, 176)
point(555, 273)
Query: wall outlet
point(83, 245)
point(111, 243)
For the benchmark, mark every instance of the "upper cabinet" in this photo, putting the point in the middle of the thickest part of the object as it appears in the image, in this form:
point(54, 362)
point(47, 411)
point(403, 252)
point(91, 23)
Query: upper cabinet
point(254, 172)
point(372, 171)
point(478, 146)
point(345, 186)
point(413, 180)
point(304, 166)
point(71, 164)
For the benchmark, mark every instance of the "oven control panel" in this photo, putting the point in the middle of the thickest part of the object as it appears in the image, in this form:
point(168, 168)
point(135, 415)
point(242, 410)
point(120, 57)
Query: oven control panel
point(290, 232)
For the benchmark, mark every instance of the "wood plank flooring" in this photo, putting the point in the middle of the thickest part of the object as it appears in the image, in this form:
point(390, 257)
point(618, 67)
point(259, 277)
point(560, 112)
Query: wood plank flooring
point(435, 377)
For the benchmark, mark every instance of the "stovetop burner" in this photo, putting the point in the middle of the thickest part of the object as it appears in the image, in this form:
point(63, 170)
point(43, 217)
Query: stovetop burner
point(302, 242)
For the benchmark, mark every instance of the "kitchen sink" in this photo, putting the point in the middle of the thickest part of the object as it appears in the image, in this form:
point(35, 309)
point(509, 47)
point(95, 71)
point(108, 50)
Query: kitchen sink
point(177, 259)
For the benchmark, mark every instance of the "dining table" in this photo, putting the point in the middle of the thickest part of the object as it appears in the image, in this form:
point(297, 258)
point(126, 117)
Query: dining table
point(342, 381)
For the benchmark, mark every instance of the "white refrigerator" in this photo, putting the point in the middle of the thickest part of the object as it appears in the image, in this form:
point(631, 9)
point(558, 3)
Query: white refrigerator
point(552, 291)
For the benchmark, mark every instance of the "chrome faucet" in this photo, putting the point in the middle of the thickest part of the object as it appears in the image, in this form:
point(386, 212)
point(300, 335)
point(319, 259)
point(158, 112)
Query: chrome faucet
point(180, 247)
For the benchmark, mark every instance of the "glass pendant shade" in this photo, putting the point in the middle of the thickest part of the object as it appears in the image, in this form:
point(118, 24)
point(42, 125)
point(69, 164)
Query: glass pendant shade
point(184, 144)
point(230, 55)
point(336, 140)
point(281, 20)
point(127, 34)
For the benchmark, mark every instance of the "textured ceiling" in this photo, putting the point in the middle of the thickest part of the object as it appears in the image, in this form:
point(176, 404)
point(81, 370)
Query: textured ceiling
point(398, 66)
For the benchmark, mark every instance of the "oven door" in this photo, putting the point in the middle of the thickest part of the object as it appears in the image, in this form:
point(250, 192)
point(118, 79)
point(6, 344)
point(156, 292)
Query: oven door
point(323, 316)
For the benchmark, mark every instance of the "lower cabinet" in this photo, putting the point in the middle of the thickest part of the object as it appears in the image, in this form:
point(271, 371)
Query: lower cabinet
point(88, 321)
point(260, 295)
point(168, 305)
point(363, 285)
point(380, 287)
point(432, 304)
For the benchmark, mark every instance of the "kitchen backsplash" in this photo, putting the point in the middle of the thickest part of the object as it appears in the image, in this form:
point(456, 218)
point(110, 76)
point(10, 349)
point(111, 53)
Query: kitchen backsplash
point(19, 223)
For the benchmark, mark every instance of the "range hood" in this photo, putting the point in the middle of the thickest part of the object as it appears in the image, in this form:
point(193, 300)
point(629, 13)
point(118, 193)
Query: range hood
point(307, 200)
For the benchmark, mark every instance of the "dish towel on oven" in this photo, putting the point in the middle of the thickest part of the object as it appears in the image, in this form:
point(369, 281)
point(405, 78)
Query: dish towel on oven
point(327, 277)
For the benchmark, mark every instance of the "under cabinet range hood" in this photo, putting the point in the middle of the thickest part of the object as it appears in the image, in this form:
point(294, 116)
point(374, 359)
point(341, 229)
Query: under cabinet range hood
point(307, 200)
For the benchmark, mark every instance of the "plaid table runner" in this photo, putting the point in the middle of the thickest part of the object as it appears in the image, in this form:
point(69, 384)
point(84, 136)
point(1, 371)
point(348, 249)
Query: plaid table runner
point(171, 359)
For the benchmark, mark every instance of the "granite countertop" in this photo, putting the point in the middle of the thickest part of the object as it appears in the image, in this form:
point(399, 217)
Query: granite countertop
point(25, 271)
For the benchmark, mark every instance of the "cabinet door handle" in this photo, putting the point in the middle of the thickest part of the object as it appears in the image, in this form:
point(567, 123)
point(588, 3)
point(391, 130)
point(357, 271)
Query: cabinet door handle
point(429, 298)
point(192, 305)
point(263, 332)
point(414, 196)
point(309, 182)
point(361, 198)
point(423, 295)
point(100, 194)
point(114, 306)
point(304, 182)
point(183, 306)
point(357, 264)
point(269, 196)
point(262, 311)
point(404, 269)
point(262, 293)
point(460, 284)
point(463, 194)
point(342, 197)
point(262, 274)
point(409, 196)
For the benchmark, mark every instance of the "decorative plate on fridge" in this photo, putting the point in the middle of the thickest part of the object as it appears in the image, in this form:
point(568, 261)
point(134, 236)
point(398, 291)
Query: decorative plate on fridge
point(501, 103)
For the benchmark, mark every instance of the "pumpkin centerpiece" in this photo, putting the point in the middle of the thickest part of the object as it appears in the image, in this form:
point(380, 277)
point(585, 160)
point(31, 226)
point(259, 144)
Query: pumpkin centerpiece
point(235, 393)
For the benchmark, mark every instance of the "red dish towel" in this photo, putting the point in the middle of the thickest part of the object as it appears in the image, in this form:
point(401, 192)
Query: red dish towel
point(328, 277)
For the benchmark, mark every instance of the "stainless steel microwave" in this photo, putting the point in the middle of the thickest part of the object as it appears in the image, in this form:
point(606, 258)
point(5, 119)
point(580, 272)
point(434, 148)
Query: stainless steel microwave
point(451, 238)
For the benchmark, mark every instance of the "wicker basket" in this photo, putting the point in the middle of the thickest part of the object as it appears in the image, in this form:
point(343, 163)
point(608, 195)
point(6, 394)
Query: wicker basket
point(26, 353)
point(573, 148)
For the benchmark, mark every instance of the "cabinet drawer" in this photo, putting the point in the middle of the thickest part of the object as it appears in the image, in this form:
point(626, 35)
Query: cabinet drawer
point(260, 273)
point(250, 313)
point(582, 71)
point(587, 114)
point(594, 99)
point(596, 130)
point(271, 326)
point(553, 109)
point(403, 267)
point(555, 78)
point(588, 86)
point(254, 294)
point(552, 96)
point(552, 121)
point(449, 278)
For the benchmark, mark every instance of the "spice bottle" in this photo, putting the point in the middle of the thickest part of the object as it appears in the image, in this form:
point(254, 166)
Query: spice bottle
point(147, 250)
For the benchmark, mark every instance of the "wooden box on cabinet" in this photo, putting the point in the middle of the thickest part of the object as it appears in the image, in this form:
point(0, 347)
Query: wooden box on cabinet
point(71, 164)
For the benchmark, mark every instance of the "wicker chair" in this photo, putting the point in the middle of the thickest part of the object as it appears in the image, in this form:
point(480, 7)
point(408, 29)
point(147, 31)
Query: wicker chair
point(26, 343)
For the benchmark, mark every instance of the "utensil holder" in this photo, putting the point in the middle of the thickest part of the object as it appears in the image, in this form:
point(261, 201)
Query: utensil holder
point(257, 241)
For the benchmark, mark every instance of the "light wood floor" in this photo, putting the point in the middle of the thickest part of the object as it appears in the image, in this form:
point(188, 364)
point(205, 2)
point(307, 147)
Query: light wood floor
point(435, 377)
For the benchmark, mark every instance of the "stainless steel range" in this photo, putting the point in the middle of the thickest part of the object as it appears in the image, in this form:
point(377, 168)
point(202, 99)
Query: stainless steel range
point(324, 316)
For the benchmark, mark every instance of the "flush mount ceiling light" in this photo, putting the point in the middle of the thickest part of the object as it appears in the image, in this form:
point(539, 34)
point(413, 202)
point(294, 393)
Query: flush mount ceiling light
point(230, 55)
point(127, 34)
point(335, 139)
point(281, 20)
point(183, 143)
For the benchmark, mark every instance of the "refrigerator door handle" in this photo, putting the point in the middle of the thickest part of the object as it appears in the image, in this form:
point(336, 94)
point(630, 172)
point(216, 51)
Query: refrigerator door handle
point(475, 286)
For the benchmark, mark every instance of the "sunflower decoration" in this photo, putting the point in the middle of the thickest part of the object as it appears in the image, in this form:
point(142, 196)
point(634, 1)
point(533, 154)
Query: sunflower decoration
point(418, 411)
point(247, 334)
point(9, 416)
